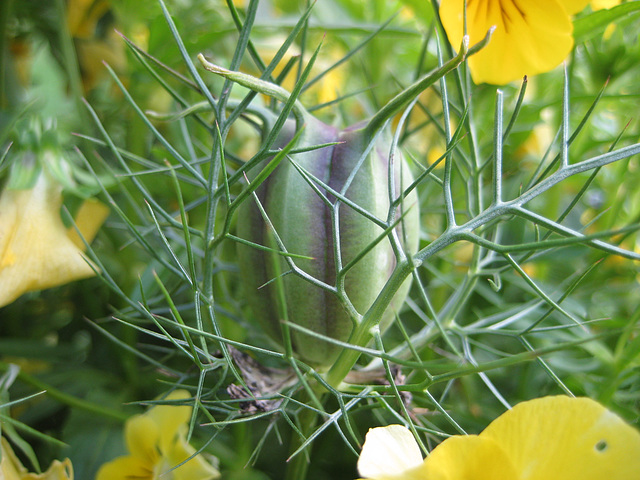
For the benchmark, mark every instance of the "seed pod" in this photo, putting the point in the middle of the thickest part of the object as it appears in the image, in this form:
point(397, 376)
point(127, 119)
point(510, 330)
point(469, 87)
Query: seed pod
point(304, 224)
point(323, 220)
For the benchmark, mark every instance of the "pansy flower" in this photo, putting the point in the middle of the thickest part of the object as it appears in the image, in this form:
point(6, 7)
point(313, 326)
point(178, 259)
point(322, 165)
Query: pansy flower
point(12, 469)
point(37, 251)
point(551, 438)
point(530, 37)
point(158, 448)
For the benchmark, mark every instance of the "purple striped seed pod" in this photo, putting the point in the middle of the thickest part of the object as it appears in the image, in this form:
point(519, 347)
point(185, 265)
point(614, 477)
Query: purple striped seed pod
point(308, 220)
point(307, 225)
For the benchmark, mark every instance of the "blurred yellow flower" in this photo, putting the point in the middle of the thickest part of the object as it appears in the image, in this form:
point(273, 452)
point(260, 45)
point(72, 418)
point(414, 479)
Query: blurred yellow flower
point(94, 48)
point(83, 16)
point(600, 4)
point(36, 250)
point(158, 447)
point(530, 37)
point(537, 143)
point(12, 469)
point(94, 51)
point(328, 89)
point(550, 438)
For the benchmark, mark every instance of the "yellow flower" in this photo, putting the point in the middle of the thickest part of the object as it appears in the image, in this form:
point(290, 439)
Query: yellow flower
point(36, 250)
point(92, 47)
point(531, 37)
point(83, 16)
point(600, 4)
point(550, 438)
point(157, 445)
point(326, 90)
point(12, 469)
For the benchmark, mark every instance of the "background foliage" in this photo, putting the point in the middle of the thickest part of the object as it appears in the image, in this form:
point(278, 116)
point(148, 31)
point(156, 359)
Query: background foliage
point(480, 330)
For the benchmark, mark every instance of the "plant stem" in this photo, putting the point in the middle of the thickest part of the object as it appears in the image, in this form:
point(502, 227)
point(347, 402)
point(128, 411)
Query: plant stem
point(297, 468)
point(363, 332)
point(257, 85)
point(299, 464)
point(398, 102)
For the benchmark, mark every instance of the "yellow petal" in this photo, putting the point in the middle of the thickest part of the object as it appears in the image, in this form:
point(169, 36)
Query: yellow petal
point(600, 4)
point(389, 453)
point(125, 468)
point(89, 219)
point(83, 16)
point(567, 438)
point(35, 251)
point(157, 447)
point(93, 52)
point(57, 471)
point(531, 37)
point(142, 435)
point(196, 468)
point(12, 469)
point(468, 457)
point(574, 6)
point(169, 419)
point(537, 142)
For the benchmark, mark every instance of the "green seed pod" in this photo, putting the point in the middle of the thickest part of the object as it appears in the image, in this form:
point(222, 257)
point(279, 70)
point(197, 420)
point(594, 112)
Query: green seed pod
point(304, 222)
point(323, 204)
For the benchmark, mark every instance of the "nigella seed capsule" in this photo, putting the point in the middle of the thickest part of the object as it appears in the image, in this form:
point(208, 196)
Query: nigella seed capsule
point(303, 218)
point(329, 205)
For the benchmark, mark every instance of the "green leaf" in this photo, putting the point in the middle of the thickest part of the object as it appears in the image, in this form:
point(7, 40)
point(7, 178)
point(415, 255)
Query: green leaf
point(589, 26)
point(423, 10)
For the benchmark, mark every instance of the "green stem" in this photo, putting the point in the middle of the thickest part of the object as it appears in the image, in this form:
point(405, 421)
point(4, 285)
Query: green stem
point(398, 102)
point(364, 331)
point(298, 465)
point(67, 399)
point(257, 85)
point(297, 468)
